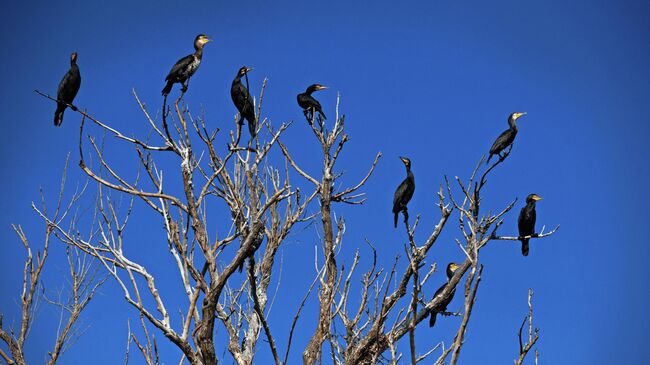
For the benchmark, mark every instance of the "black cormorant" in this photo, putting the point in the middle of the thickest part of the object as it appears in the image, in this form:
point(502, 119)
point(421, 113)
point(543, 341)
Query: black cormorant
point(186, 66)
point(243, 101)
point(442, 307)
point(527, 218)
point(68, 88)
point(308, 103)
point(404, 191)
point(506, 138)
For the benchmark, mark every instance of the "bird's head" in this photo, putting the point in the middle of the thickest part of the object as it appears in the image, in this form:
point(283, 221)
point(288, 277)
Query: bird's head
point(244, 70)
point(201, 40)
point(406, 161)
point(316, 87)
point(451, 269)
point(516, 115)
point(73, 57)
point(533, 198)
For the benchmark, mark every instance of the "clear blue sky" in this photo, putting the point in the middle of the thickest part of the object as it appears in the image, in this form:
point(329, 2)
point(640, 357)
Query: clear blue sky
point(578, 68)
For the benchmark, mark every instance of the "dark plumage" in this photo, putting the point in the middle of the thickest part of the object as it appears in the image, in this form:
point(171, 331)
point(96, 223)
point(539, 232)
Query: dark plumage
point(442, 307)
point(506, 138)
point(68, 88)
point(186, 66)
point(243, 101)
point(404, 191)
point(527, 218)
point(308, 103)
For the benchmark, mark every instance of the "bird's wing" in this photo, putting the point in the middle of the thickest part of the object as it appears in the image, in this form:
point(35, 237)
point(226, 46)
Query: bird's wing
point(243, 101)
point(69, 85)
point(399, 193)
point(533, 218)
point(526, 222)
point(442, 306)
point(316, 104)
point(440, 290)
point(309, 101)
point(180, 65)
point(244, 98)
point(502, 141)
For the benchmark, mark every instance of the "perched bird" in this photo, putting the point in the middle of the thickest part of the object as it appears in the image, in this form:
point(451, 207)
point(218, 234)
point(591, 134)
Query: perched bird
point(308, 103)
point(527, 218)
point(243, 100)
point(506, 138)
point(186, 66)
point(404, 191)
point(68, 88)
point(442, 307)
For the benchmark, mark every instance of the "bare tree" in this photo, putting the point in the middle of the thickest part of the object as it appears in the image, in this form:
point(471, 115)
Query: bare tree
point(83, 283)
point(533, 335)
point(267, 195)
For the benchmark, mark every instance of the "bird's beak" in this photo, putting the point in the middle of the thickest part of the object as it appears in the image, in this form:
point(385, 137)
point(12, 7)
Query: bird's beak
point(519, 115)
point(249, 69)
point(537, 197)
point(206, 40)
point(402, 158)
point(321, 87)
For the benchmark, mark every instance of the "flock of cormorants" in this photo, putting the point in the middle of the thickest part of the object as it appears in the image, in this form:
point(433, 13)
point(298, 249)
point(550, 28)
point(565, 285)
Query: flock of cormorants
point(183, 70)
point(527, 216)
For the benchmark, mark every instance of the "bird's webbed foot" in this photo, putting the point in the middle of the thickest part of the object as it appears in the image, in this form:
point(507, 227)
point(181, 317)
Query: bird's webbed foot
point(184, 88)
point(74, 108)
point(309, 116)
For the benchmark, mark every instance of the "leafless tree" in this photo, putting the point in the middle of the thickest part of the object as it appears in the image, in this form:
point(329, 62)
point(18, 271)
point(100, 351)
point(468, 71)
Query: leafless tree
point(533, 335)
point(83, 282)
point(267, 195)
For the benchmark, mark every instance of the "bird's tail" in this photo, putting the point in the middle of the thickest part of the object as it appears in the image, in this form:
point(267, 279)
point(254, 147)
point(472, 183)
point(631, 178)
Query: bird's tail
point(58, 114)
point(396, 217)
point(168, 88)
point(524, 246)
point(432, 319)
point(241, 266)
point(488, 160)
point(322, 114)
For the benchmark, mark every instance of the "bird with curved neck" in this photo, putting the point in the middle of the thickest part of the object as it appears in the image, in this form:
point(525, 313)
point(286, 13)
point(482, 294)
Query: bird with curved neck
point(243, 101)
point(442, 307)
point(186, 66)
point(309, 104)
point(506, 138)
point(404, 192)
point(68, 88)
point(526, 222)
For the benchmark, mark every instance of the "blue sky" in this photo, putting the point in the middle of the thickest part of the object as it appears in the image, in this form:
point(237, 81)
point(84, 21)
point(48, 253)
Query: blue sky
point(433, 81)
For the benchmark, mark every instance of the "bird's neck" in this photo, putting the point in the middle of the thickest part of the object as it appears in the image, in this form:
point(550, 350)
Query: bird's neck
point(512, 123)
point(409, 174)
point(199, 52)
point(310, 90)
point(531, 205)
